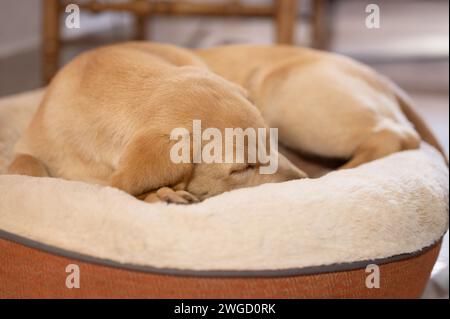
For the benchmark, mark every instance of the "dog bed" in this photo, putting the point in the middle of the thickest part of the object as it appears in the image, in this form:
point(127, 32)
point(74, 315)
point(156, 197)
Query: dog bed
point(300, 239)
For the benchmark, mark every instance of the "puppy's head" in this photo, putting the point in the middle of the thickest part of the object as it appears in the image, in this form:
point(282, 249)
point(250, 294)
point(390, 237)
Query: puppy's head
point(215, 178)
point(232, 123)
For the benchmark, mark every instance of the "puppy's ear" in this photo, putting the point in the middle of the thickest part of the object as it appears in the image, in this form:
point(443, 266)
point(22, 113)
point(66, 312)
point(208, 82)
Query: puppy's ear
point(146, 165)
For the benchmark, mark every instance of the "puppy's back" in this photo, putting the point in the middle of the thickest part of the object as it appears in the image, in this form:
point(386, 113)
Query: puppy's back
point(95, 104)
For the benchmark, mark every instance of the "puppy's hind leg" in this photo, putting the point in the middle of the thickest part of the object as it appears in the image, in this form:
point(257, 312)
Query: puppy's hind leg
point(382, 143)
point(24, 164)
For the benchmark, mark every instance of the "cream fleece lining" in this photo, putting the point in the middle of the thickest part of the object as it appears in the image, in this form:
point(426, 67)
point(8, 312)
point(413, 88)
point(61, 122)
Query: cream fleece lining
point(395, 205)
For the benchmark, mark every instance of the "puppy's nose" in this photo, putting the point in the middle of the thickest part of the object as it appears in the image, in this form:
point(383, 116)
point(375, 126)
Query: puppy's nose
point(289, 170)
point(293, 173)
point(298, 173)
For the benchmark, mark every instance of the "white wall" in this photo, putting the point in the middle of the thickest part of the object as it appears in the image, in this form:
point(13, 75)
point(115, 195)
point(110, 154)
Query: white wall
point(20, 25)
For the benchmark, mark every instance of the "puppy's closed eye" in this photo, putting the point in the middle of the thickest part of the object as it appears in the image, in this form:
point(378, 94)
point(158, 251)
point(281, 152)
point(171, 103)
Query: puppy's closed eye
point(242, 169)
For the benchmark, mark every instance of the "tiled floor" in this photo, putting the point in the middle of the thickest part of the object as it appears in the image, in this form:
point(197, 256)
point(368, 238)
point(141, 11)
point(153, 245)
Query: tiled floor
point(411, 47)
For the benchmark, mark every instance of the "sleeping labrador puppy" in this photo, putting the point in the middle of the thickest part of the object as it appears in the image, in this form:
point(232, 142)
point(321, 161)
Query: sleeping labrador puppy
point(107, 118)
point(324, 104)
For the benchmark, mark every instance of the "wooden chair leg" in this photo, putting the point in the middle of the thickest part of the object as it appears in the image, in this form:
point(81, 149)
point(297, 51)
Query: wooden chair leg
point(286, 18)
point(140, 28)
point(50, 39)
point(321, 30)
point(140, 25)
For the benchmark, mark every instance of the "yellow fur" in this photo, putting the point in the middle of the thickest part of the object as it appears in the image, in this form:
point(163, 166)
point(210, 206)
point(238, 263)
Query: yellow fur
point(107, 116)
point(324, 104)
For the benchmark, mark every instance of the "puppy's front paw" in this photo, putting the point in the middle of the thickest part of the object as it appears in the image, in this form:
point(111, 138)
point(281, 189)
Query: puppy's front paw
point(168, 195)
point(190, 198)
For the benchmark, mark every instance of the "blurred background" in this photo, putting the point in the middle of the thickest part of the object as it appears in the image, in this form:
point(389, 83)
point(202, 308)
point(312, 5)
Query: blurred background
point(411, 46)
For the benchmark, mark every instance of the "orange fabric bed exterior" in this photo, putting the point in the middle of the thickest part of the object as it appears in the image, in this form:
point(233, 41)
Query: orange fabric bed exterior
point(31, 273)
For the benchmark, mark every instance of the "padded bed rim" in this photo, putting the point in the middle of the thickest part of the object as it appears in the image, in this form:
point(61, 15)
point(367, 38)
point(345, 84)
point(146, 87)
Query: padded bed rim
point(312, 270)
